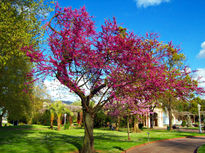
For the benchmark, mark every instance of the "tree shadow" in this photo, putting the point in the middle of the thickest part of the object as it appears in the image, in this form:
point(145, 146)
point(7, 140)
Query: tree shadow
point(119, 148)
point(27, 139)
point(50, 137)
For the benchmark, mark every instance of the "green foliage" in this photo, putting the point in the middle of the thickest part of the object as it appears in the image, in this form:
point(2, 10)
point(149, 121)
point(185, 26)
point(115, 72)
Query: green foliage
point(191, 106)
point(66, 126)
point(43, 118)
point(59, 108)
point(201, 149)
point(76, 103)
point(100, 119)
point(140, 126)
point(183, 123)
point(19, 25)
point(189, 122)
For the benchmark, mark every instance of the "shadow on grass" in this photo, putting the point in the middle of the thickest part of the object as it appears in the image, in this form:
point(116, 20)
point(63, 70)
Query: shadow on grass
point(20, 127)
point(119, 148)
point(50, 137)
point(26, 139)
point(31, 139)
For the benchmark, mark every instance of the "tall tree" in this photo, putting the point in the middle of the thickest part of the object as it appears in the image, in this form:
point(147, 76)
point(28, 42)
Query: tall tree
point(94, 65)
point(19, 25)
point(181, 85)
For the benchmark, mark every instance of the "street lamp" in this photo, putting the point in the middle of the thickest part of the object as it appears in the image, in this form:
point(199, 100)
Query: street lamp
point(65, 119)
point(199, 106)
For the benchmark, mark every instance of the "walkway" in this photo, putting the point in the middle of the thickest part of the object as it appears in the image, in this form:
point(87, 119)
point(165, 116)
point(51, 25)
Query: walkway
point(178, 145)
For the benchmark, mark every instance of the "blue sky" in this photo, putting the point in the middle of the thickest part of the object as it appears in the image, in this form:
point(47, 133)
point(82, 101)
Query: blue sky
point(180, 21)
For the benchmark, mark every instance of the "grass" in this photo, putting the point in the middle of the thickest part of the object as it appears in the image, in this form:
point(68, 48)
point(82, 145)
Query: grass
point(201, 149)
point(191, 128)
point(36, 138)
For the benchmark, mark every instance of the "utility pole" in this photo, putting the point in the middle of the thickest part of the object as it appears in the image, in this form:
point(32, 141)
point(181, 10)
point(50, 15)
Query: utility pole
point(199, 107)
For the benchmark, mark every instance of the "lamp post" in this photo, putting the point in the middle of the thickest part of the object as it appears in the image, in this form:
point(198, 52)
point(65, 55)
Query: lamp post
point(199, 106)
point(65, 119)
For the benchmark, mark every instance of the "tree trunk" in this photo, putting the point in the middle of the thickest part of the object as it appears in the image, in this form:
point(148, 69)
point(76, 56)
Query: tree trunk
point(59, 122)
point(136, 127)
point(52, 118)
point(51, 124)
point(118, 123)
point(88, 142)
point(151, 120)
point(128, 127)
point(81, 119)
point(170, 112)
point(1, 119)
point(70, 120)
point(170, 118)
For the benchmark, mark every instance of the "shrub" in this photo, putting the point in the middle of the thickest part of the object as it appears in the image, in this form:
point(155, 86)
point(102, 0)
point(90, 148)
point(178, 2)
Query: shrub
point(183, 123)
point(140, 125)
point(66, 126)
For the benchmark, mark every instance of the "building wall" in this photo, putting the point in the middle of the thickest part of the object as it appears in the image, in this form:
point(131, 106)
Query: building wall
point(159, 116)
point(162, 118)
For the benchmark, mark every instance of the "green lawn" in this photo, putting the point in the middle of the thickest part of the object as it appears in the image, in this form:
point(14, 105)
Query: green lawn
point(201, 149)
point(40, 139)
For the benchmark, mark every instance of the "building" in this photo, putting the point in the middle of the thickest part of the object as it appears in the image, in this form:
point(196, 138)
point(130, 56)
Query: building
point(161, 119)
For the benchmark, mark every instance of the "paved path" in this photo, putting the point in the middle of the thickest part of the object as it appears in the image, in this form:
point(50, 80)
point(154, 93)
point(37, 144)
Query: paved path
point(178, 145)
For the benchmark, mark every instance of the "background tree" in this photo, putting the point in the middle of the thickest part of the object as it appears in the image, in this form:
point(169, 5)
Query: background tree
point(13, 99)
point(51, 108)
point(181, 84)
point(60, 109)
point(19, 25)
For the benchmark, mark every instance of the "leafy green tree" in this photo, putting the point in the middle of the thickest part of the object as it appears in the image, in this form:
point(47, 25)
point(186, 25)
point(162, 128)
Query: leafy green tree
point(76, 103)
point(51, 108)
point(13, 98)
point(59, 109)
point(39, 97)
point(19, 25)
point(181, 85)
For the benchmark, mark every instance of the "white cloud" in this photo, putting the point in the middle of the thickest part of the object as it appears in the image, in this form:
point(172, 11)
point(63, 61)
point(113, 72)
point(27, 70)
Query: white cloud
point(146, 3)
point(57, 91)
point(201, 74)
point(202, 51)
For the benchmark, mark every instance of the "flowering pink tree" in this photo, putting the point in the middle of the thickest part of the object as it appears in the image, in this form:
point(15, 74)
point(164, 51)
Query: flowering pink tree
point(95, 65)
point(127, 107)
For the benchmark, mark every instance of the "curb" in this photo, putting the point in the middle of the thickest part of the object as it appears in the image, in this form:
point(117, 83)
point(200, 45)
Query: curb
point(134, 147)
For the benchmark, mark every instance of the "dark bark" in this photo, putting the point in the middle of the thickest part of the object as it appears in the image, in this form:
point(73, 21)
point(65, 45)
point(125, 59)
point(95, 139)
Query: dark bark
point(152, 117)
point(80, 118)
point(151, 121)
point(170, 118)
point(51, 124)
point(170, 113)
point(70, 120)
point(1, 119)
point(128, 127)
point(52, 118)
point(88, 142)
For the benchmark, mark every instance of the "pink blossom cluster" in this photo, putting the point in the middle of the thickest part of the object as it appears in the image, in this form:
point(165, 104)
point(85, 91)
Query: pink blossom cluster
point(130, 66)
